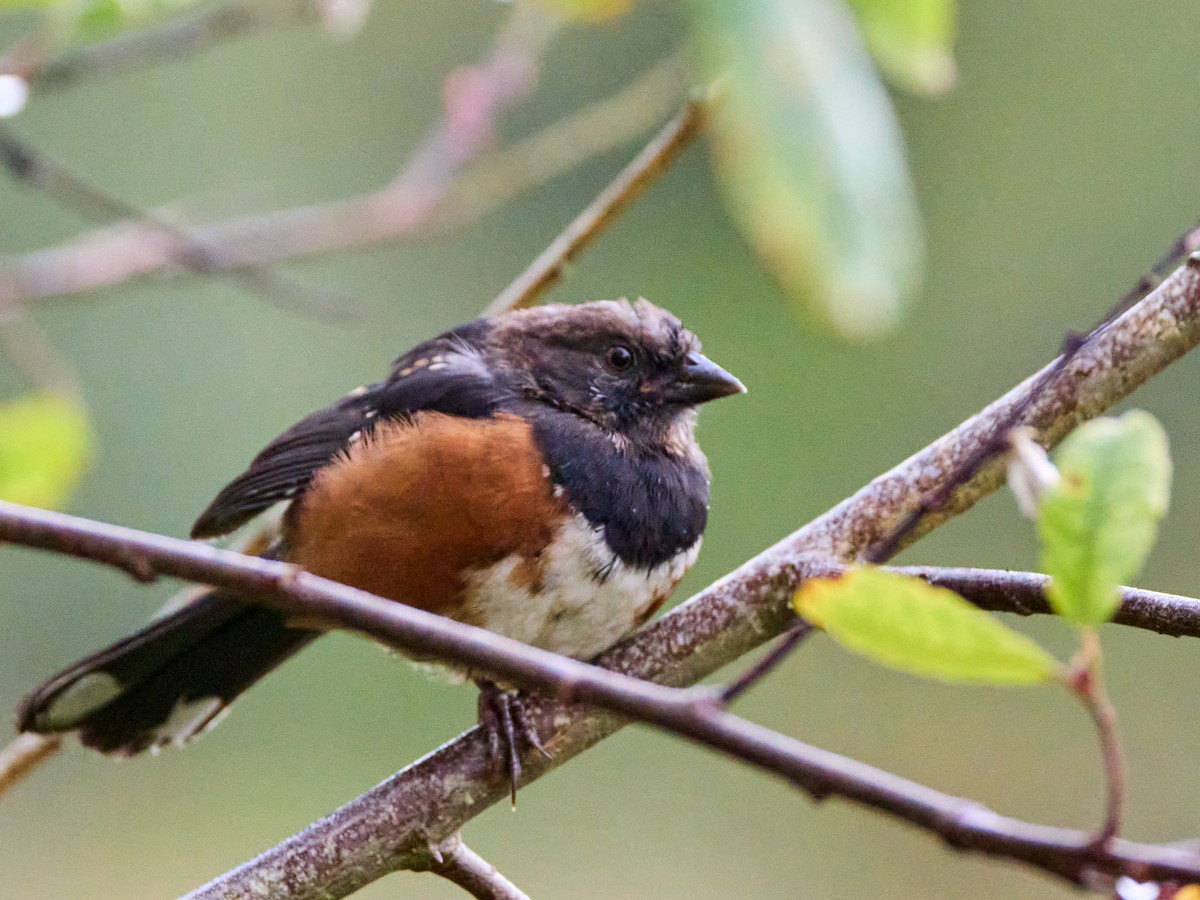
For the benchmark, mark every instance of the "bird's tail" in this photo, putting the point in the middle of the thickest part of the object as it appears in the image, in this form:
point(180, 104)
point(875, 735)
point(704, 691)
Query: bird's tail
point(166, 683)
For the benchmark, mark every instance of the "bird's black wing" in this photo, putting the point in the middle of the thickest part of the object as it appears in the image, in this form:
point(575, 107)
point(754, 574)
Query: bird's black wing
point(446, 375)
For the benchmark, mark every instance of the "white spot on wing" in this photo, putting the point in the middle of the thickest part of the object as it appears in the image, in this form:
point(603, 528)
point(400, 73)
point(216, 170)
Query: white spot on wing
point(85, 696)
point(187, 720)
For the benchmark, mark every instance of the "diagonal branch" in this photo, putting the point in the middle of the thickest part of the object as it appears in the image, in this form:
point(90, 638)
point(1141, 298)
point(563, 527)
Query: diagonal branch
point(394, 825)
point(24, 755)
point(40, 171)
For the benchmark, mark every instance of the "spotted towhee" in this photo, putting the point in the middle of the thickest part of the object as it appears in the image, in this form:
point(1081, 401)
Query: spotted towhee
point(535, 474)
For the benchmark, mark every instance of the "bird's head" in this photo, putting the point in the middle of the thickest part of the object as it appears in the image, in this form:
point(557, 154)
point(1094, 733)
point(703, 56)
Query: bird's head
point(630, 368)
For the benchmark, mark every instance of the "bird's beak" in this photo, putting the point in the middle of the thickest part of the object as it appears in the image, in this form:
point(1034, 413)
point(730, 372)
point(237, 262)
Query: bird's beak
point(702, 380)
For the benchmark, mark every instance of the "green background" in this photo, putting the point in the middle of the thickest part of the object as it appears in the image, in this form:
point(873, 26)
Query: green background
point(1056, 172)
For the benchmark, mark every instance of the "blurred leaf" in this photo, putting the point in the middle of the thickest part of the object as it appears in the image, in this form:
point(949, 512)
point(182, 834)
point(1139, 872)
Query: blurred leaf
point(1098, 523)
point(588, 10)
point(811, 159)
point(909, 625)
point(911, 40)
point(95, 19)
point(45, 442)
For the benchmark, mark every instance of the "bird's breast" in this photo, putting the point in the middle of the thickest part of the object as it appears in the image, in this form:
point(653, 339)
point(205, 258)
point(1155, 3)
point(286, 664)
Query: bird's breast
point(462, 517)
point(577, 597)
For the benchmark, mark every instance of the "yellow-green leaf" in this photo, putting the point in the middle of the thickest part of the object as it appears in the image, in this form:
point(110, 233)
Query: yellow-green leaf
point(588, 10)
point(1098, 523)
point(45, 442)
point(97, 19)
point(911, 40)
point(810, 157)
point(909, 625)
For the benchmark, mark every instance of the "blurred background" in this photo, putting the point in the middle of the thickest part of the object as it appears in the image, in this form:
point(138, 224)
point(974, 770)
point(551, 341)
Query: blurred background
point(1057, 170)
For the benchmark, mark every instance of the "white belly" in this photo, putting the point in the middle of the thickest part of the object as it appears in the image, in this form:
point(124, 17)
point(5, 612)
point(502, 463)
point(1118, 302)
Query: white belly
point(585, 599)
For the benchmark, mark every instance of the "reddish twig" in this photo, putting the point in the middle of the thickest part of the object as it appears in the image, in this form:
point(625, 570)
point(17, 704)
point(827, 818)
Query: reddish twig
point(1085, 680)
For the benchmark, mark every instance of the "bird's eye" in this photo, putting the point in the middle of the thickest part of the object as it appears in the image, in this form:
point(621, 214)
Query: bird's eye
point(619, 357)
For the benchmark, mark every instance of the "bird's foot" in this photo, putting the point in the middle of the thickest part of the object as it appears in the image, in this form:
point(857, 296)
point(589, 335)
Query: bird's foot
point(502, 716)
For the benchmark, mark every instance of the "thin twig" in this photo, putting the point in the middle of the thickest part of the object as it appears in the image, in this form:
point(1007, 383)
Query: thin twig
point(391, 826)
point(1186, 243)
point(649, 165)
point(888, 544)
point(1087, 684)
point(767, 664)
point(157, 44)
point(460, 865)
point(40, 171)
point(25, 345)
point(428, 198)
point(507, 74)
point(25, 754)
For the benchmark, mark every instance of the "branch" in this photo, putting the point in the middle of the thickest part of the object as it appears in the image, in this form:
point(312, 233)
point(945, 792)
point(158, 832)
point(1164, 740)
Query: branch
point(340, 854)
point(394, 825)
point(138, 247)
point(26, 346)
point(434, 191)
point(24, 755)
point(459, 864)
point(1023, 593)
point(75, 192)
point(747, 607)
point(657, 156)
point(163, 43)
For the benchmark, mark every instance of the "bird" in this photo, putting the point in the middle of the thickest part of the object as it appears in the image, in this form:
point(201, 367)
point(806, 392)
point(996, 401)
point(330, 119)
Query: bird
point(534, 473)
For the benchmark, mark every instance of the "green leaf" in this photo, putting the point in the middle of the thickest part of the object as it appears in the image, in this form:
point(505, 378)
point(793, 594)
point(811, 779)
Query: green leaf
point(911, 40)
point(588, 10)
point(909, 625)
point(810, 157)
point(45, 442)
point(98, 19)
point(1098, 523)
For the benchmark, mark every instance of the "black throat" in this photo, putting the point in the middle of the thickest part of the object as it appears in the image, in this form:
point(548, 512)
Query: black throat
point(650, 504)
